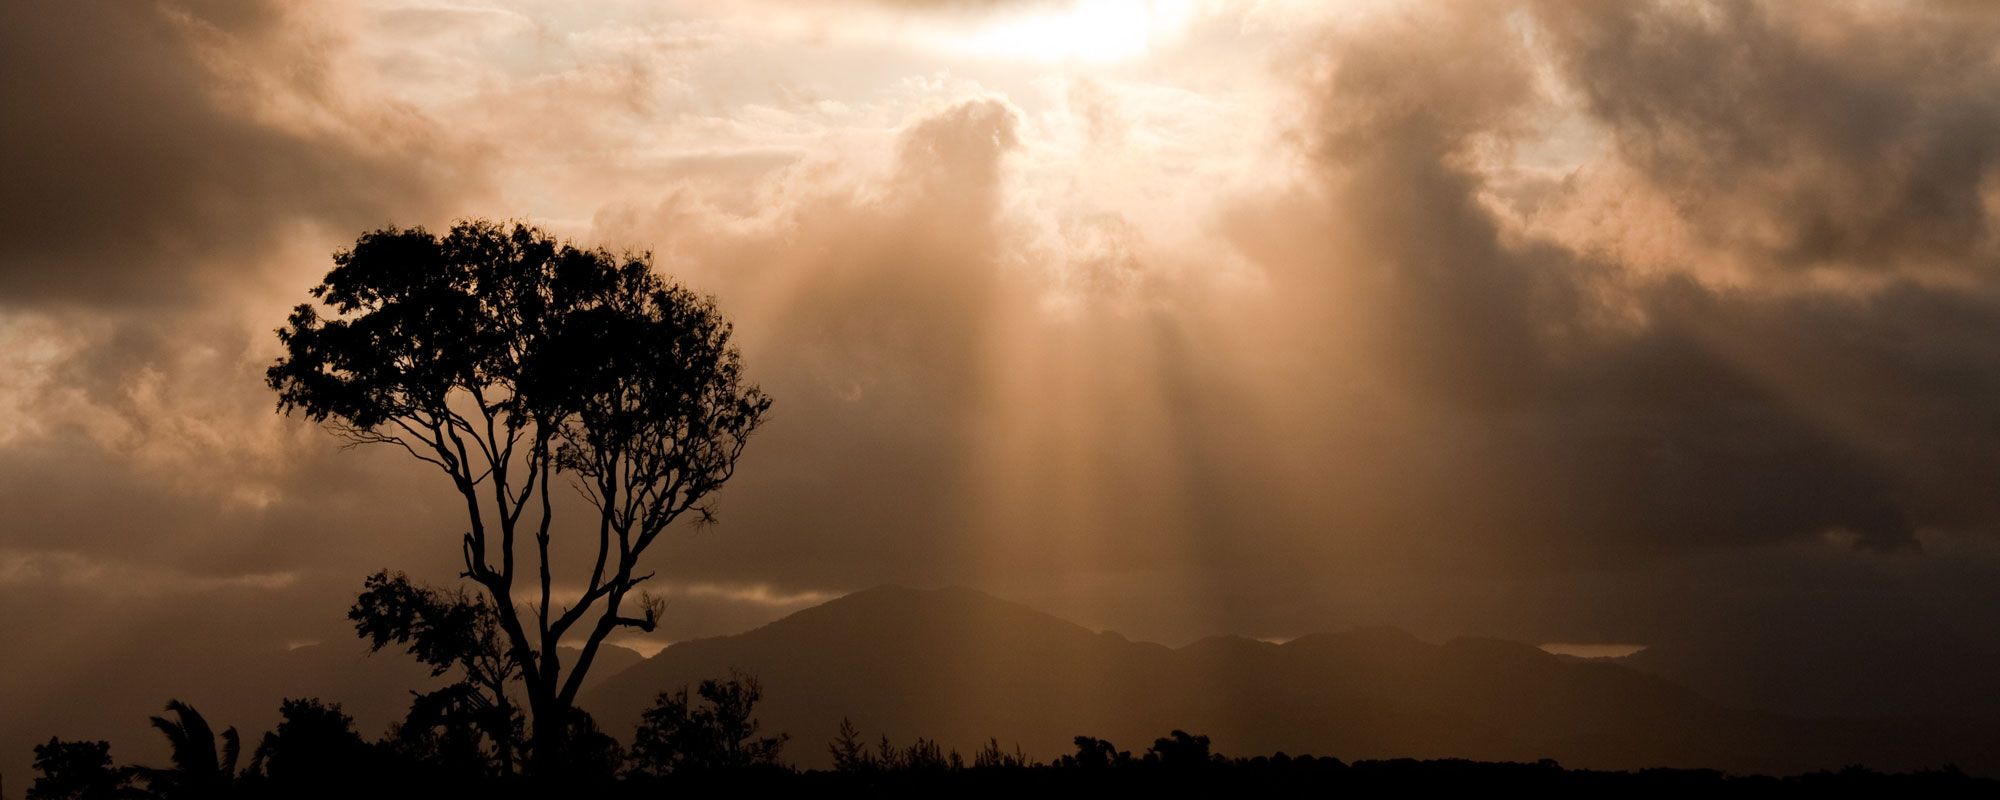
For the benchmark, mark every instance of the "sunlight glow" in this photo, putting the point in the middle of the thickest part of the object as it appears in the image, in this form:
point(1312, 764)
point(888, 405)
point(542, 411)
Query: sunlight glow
point(1092, 31)
point(1592, 649)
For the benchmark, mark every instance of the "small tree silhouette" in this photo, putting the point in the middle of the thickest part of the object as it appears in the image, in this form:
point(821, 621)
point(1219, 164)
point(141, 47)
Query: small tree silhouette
point(447, 630)
point(990, 756)
point(1179, 749)
point(590, 757)
point(200, 769)
point(850, 754)
point(924, 755)
point(1094, 753)
point(315, 745)
point(675, 735)
point(77, 771)
point(500, 357)
point(458, 730)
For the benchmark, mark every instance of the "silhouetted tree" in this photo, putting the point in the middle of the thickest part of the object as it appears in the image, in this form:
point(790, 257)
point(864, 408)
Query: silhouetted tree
point(849, 753)
point(447, 630)
point(314, 745)
point(887, 755)
point(1179, 749)
point(676, 735)
point(590, 757)
point(990, 756)
point(451, 728)
point(924, 755)
point(77, 771)
point(1094, 753)
point(501, 356)
point(200, 769)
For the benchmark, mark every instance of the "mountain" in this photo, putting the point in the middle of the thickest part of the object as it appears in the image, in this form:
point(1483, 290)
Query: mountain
point(960, 666)
point(1830, 670)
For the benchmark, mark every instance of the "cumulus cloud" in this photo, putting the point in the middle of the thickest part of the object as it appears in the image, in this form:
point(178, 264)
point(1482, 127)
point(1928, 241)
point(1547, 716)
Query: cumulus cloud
point(1642, 404)
point(1855, 137)
point(74, 572)
point(173, 145)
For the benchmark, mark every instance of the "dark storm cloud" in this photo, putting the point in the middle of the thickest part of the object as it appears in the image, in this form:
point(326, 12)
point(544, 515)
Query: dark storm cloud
point(1626, 409)
point(139, 169)
point(1860, 138)
point(1855, 135)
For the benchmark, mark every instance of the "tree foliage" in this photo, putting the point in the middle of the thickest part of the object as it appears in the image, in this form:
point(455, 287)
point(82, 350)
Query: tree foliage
point(1180, 749)
point(77, 771)
point(315, 744)
point(472, 723)
point(850, 753)
point(1095, 753)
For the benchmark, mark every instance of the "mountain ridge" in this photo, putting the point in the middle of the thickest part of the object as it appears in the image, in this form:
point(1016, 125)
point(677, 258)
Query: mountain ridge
point(960, 665)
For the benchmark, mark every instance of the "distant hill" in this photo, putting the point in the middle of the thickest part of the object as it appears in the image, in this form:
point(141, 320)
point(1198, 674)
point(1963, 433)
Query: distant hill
point(1832, 672)
point(959, 666)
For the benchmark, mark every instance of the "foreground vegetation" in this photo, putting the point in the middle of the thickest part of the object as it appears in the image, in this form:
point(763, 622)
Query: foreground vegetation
point(712, 744)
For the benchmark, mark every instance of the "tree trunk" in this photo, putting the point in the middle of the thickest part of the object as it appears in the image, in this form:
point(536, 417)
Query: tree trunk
point(546, 733)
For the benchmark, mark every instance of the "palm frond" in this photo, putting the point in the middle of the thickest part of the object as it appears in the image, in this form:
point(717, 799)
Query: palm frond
point(192, 740)
point(232, 747)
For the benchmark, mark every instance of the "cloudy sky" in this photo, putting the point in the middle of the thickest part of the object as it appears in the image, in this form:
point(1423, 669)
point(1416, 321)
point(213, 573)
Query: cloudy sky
point(1635, 323)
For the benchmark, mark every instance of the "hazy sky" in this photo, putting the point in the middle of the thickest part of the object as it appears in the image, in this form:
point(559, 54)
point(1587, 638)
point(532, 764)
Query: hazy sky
point(1565, 322)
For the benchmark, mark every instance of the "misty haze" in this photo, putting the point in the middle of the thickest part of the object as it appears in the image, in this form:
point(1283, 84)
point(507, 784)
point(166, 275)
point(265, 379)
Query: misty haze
point(519, 398)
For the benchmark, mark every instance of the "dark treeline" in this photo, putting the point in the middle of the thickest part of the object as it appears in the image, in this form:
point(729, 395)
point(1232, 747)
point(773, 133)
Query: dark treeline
point(710, 742)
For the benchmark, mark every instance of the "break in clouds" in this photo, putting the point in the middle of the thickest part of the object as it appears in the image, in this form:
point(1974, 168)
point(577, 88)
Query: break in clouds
point(1561, 321)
